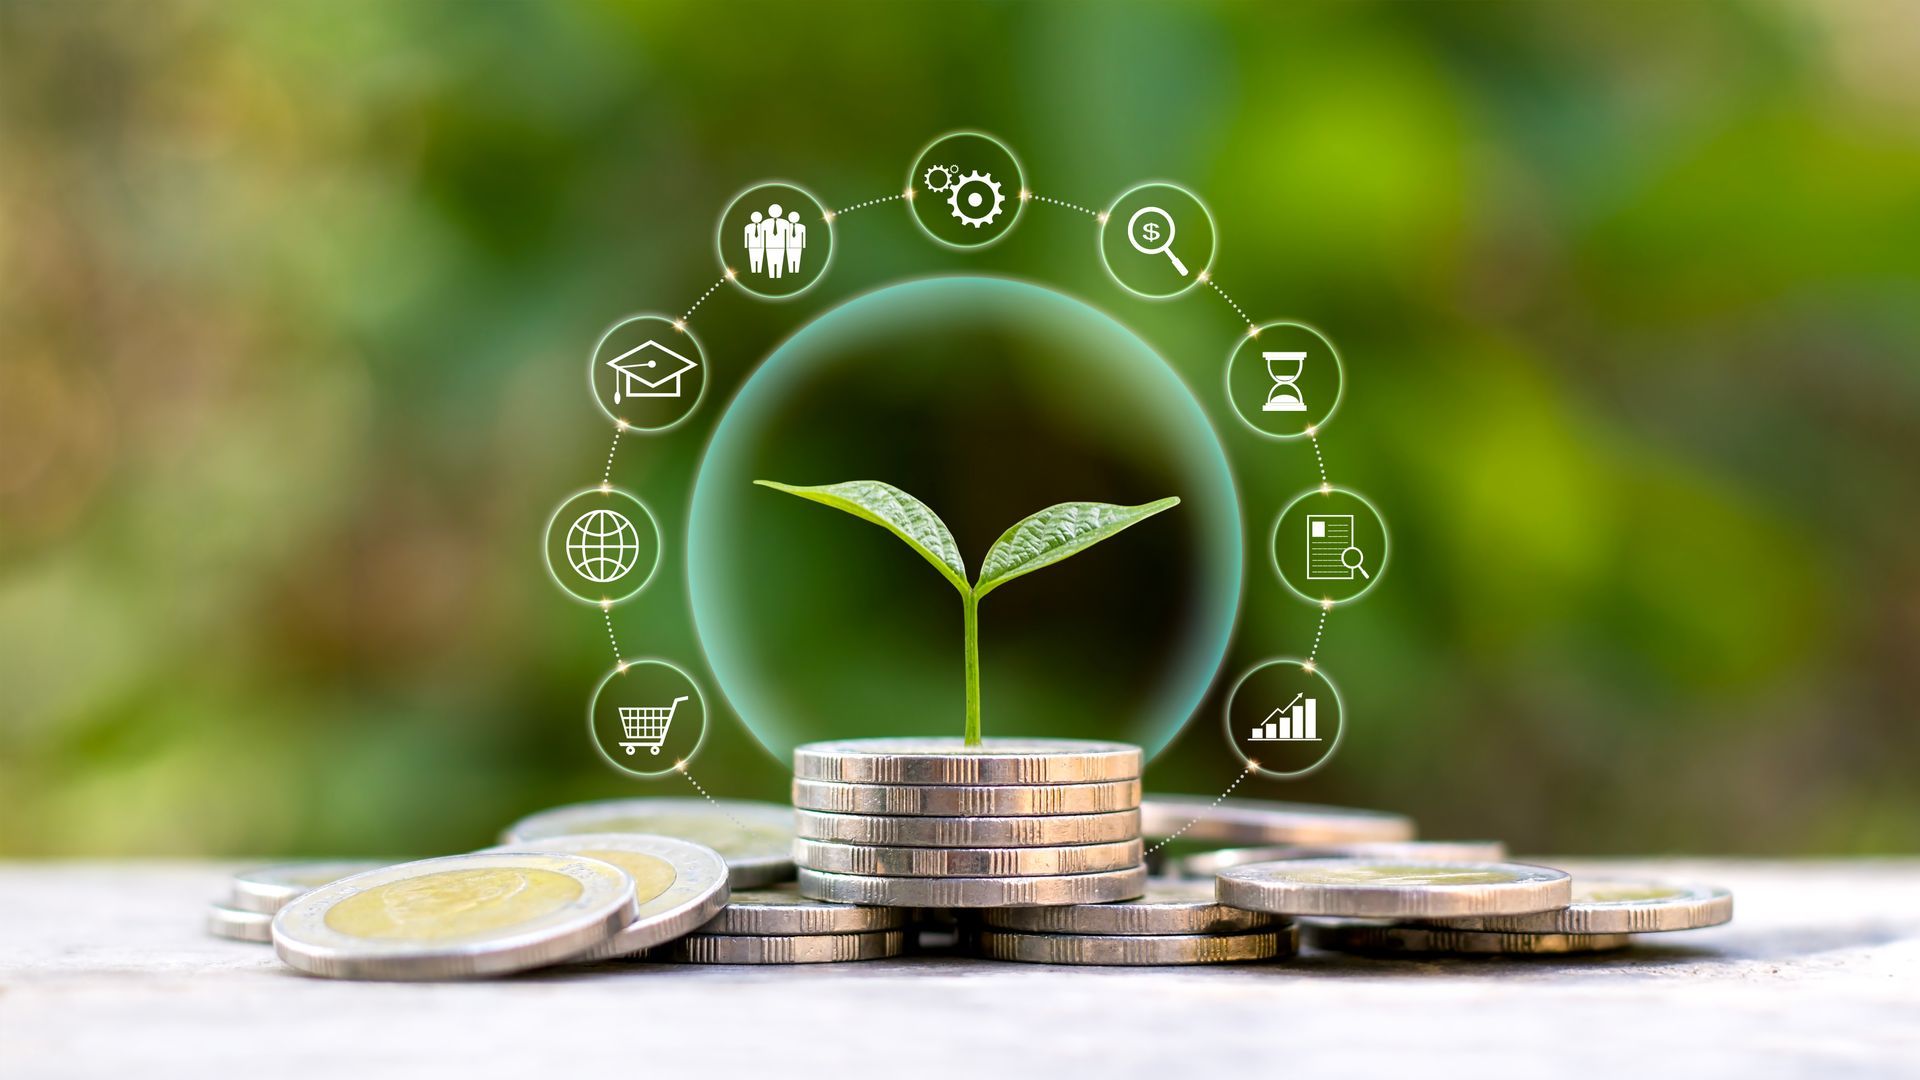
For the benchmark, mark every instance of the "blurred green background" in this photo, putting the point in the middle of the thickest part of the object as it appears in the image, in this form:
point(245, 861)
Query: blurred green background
point(297, 298)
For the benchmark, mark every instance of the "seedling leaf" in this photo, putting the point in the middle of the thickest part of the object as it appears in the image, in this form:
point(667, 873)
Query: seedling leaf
point(896, 511)
point(1065, 529)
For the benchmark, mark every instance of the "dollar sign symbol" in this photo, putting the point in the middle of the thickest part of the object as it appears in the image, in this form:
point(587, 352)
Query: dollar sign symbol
point(1152, 230)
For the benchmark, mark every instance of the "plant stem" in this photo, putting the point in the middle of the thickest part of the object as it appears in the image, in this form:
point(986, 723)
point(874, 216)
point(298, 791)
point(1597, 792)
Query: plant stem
point(972, 604)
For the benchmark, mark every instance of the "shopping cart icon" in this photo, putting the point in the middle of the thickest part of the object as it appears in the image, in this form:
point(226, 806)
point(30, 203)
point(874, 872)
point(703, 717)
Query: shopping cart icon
point(646, 726)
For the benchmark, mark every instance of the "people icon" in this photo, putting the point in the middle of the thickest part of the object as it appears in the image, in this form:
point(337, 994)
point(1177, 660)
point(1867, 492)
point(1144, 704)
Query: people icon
point(775, 244)
point(756, 241)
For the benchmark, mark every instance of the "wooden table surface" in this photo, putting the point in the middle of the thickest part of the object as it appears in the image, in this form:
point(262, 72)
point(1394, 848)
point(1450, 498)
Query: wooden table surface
point(104, 969)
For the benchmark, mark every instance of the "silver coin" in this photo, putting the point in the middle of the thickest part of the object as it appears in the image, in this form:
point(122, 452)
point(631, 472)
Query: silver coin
point(965, 862)
point(1256, 821)
point(1204, 865)
point(678, 884)
point(755, 838)
point(1617, 907)
point(1374, 938)
point(952, 761)
point(1169, 907)
point(237, 925)
point(1150, 950)
point(809, 949)
point(783, 912)
point(266, 889)
point(974, 892)
point(460, 916)
point(1371, 888)
point(968, 832)
point(957, 801)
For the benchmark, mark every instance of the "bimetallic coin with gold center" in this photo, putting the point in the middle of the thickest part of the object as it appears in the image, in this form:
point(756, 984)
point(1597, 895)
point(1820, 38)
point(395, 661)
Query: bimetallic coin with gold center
point(267, 889)
point(1368, 888)
point(678, 884)
point(1616, 907)
point(456, 917)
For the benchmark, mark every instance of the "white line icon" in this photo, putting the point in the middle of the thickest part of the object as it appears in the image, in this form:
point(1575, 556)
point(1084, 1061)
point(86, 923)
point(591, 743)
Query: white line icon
point(662, 379)
point(1146, 236)
point(646, 725)
point(1285, 396)
point(1332, 554)
point(1296, 721)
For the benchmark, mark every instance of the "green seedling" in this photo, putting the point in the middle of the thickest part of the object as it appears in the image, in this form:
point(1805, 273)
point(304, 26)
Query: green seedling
point(1038, 540)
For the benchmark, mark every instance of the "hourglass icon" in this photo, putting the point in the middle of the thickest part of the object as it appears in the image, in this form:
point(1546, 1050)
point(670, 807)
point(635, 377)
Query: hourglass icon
point(1285, 396)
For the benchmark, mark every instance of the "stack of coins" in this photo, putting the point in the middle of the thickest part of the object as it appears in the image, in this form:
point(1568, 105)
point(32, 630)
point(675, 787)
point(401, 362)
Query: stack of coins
point(934, 823)
point(1174, 923)
point(256, 895)
point(779, 926)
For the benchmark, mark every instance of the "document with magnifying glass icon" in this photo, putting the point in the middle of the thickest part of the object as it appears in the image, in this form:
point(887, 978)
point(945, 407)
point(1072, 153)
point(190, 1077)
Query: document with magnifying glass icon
point(1329, 539)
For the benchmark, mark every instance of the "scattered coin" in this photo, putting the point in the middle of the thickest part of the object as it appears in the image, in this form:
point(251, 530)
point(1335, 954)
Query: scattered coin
point(1142, 950)
point(974, 892)
point(1385, 889)
point(1255, 821)
point(267, 889)
point(755, 838)
point(1204, 865)
point(1169, 907)
point(237, 925)
point(966, 801)
point(678, 884)
point(782, 912)
point(456, 917)
point(968, 832)
point(1359, 937)
point(1616, 907)
point(807, 949)
point(965, 862)
point(951, 761)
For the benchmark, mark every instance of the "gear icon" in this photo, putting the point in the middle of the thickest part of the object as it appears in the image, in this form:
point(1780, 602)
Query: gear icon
point(942, 173)
point(976, 199)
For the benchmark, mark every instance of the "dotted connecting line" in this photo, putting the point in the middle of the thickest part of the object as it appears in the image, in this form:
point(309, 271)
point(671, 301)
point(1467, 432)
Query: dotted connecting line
point(607, 610)
point(1062, 203)
point(1244, 773)
point(703, 297)
point(831, 214)
point(1318, 459)
point(606, 476)
point(681, 767)
point(1319, 630)
point(1238, 310)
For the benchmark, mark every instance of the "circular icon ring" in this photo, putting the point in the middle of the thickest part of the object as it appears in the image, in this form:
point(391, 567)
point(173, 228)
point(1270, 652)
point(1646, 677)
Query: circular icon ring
point(595, 545)
point(1330, 545)
point(1299, 721)
point(644, 371)
point(767, 240)
point(649, 740)
point(1138, 234)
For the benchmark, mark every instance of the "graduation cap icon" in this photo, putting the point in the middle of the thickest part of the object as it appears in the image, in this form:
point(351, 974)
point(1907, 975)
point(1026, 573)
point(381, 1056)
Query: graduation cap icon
point(649, 370)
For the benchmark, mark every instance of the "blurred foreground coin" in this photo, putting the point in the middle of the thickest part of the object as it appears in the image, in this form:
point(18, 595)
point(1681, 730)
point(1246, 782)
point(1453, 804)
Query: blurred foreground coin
point(1374, 889)
point(267, 889)
point(1255, 821)
point(1204, 865)
point(951, 761)
point(1360, 937)
point(456, 917)
point(1138, 951)
point(755, 838)
point(809, 949)
point(236, 925)
point(969, 832)
point(1617, 907)
point(782, 912)
point(1169, 907)
point(678, 884)
point(974, 892)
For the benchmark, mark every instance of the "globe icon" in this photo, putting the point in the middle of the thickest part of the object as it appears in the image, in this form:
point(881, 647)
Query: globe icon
point(602, 545)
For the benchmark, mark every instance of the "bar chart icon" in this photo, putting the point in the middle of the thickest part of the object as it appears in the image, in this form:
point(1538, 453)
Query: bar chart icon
point(1296, 721)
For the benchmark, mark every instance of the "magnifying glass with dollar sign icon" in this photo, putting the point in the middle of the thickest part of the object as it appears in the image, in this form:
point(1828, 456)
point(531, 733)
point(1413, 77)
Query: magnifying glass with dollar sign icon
point(1150, 231)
